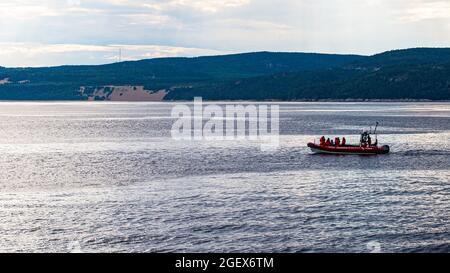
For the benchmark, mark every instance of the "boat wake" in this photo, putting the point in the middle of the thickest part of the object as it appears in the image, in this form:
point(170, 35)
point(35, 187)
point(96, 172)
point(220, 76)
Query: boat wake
point(421, 152)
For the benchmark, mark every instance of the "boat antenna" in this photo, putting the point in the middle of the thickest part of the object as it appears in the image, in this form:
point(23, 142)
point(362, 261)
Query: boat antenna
point(375, 132)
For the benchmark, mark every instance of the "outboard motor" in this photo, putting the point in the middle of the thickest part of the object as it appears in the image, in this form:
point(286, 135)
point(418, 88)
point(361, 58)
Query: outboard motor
point(385, 149)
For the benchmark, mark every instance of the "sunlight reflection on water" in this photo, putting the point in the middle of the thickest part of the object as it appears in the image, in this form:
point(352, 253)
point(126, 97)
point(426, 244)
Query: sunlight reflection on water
point(109, 178)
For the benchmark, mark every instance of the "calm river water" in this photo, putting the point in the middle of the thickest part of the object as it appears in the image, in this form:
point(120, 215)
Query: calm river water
point(107, 177)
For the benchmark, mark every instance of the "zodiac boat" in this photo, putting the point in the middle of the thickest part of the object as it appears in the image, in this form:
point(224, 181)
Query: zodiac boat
point(365, 147)
point(348, 149)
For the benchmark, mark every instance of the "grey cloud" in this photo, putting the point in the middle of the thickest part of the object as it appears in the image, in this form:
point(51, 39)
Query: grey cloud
point(346, 26)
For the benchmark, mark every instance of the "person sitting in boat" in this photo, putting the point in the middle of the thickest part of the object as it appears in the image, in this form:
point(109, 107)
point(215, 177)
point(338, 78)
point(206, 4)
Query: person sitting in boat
point(364, 139)
point(322, 141)
point(328, 142)
point(337, 141)
point(344, 141)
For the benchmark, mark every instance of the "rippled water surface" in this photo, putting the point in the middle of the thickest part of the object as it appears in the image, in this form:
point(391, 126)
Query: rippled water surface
point(98, 177)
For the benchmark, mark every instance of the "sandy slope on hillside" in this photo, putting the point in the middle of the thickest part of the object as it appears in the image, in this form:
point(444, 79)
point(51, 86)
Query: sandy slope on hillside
point(4, 81)
point(135, 93)
point(125, 93)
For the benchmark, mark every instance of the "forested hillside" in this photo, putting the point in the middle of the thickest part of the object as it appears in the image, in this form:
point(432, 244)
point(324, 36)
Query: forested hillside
point(421, 73)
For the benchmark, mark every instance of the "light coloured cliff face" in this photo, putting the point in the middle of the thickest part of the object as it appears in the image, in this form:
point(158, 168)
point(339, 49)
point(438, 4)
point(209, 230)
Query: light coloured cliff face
point(135, 93)
point(4, 81)
point(123, 93)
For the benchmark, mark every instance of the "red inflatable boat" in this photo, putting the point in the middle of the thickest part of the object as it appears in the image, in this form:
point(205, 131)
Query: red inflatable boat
point(365, 147)
point(356, 150)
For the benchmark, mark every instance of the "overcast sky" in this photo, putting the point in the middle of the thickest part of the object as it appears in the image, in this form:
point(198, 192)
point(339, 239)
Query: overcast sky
point(54, 32)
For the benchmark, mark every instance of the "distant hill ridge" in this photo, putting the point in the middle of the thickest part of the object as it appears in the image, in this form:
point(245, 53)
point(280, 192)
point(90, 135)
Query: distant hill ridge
point(407, 57)
point(419, 73)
